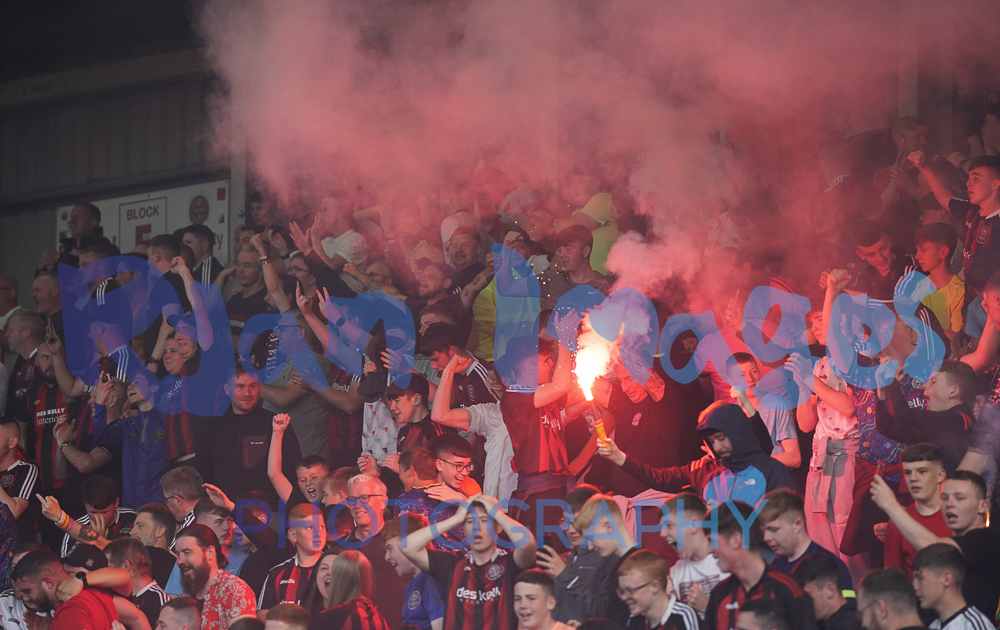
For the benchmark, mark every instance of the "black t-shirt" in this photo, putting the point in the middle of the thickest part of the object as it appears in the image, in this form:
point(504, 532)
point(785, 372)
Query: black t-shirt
point(982, 243)
point(659, 433)
point(468, 274)
point(878, 287)
point(981, 548)
point(231, 452)
point(240, 309)
point(163, 564)
point(150, 600)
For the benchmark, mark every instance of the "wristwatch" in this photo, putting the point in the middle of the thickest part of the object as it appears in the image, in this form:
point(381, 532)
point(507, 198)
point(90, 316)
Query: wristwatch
point(82, 576)
point(65, 443)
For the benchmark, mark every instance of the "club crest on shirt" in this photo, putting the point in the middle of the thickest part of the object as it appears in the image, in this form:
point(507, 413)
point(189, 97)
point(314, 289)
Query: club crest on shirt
point(159, 435)
point(414, 600)
point(983, 234)
point(494, 571)
point(5, 480)
point(636, 418)
point(29, 371)
point(472, 393)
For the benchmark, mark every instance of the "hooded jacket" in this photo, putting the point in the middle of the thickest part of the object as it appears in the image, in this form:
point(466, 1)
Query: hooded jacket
point(744, 475)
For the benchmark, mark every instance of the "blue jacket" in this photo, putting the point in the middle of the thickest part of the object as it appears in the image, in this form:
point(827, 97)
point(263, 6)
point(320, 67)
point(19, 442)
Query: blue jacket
point(144, 452)
point(746, 474)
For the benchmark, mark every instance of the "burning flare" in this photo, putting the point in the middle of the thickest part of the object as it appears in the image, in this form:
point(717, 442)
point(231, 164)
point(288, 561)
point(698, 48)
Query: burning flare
point(592, 360)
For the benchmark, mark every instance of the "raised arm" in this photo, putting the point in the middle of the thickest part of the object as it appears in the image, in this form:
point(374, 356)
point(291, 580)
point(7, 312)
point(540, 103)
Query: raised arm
point(272, 281)
point(915, 533)
point(442, 412)
point(281, 484)
point(372, 285)
point(985, 353)
point(202, 323)
point(77, 531)
point(519, 535)
point(941, 192)
point(562, 380)
point(71, 386)
point(415, 545)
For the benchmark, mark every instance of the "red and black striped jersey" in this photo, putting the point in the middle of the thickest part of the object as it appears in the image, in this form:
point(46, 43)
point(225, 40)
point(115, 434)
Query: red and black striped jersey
point(180, 437)
point(536, 434)
point(726, 598)
point(417, 433)
point(287, 583)
point(477, 597)
point(19, 481)
point(42, 408)
point(358, 614)
point(345, 428)
point(472, 387)
point(24, 375)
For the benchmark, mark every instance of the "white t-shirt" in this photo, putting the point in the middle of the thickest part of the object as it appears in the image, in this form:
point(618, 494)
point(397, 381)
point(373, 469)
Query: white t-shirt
point(830, 424)
point(352, 247)
point(499, 479)
point(12, 612)
point(706, 572)
point(969, 618)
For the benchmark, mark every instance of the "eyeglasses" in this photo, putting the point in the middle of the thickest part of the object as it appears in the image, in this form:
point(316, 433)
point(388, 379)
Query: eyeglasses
point(361, 498)
point(173, 496)
point(629, 592)
point(466, 468)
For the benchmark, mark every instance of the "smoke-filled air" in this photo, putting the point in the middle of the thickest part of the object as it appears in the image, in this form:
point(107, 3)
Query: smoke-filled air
point(693, 115)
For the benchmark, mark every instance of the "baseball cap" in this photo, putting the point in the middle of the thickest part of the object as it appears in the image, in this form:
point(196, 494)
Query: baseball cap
point(84, 556)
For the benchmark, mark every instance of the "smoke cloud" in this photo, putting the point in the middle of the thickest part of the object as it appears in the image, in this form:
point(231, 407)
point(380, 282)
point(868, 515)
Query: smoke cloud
point(683, 109)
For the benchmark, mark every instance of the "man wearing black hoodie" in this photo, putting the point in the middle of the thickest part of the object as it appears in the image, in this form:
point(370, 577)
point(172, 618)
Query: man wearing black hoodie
point(739, 469)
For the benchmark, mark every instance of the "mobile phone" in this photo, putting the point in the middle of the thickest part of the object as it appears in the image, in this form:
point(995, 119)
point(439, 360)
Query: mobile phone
point(50, 330)
point(880, 469)
point(549, 541)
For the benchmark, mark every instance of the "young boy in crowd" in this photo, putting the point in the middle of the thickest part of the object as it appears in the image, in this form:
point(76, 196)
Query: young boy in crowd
point(946, 420)
point(309, 472)
point(645, 587)
point(783, 521)
point(923, 471)
point(965, 507)
point(935, 243)
point(696, 571)
point(820, 577)
point(579, 572)
point(938, 578)
point(603, 527)
point(288, 582)
point(751, 578)
point(780, 424)
point(423, 601)
point(480, 584)
point(534, 602)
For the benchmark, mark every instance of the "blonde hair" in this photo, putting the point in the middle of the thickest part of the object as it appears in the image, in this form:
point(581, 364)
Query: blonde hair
point(350, 577)
point(590, 509)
